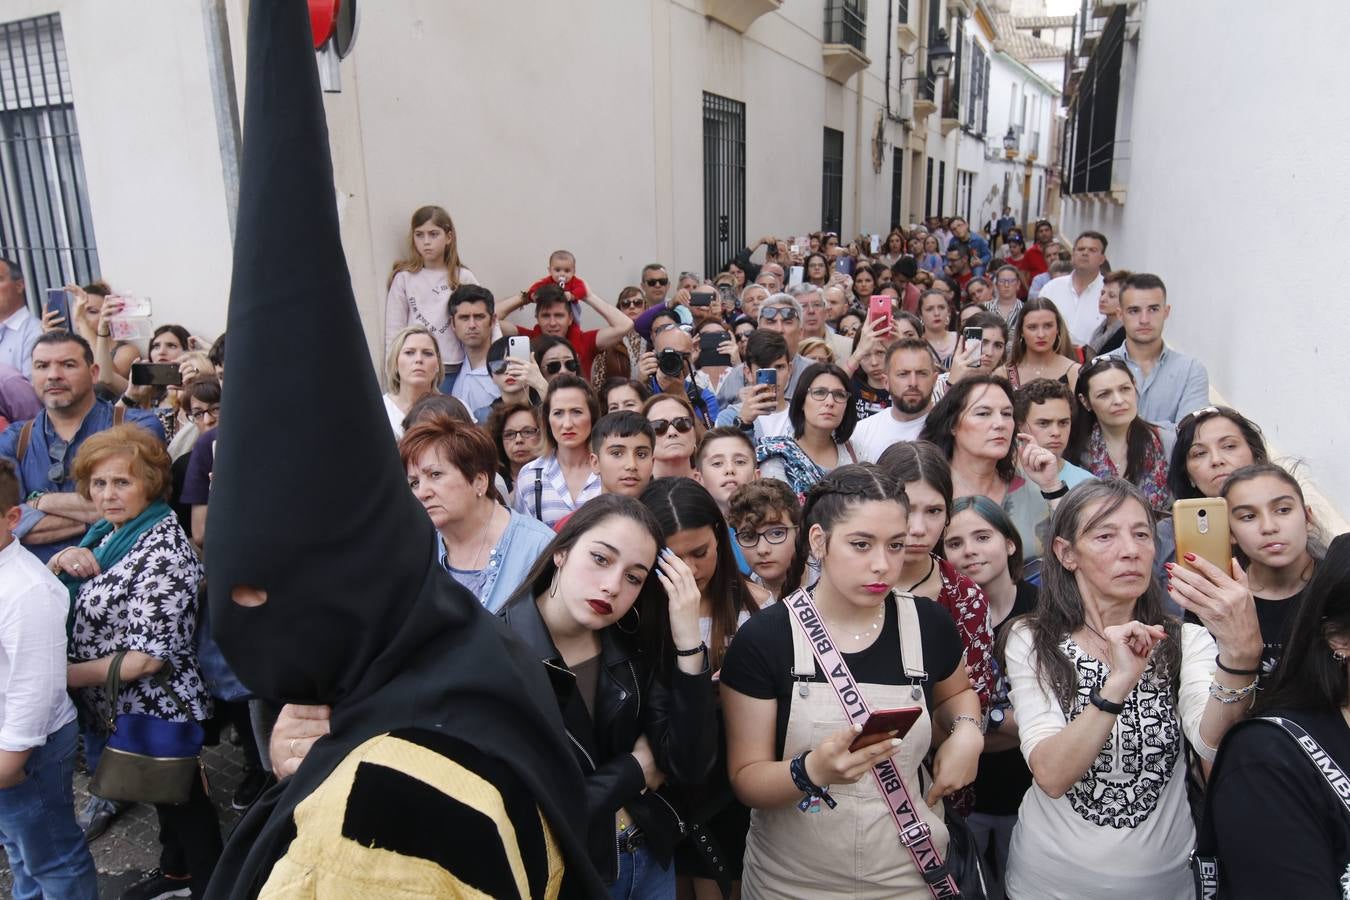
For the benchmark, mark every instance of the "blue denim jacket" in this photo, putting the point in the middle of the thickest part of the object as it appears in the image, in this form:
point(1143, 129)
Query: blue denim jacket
point(510, 561)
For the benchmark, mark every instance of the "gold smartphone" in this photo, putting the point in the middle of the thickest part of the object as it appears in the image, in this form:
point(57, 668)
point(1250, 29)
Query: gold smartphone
point(1201, 527)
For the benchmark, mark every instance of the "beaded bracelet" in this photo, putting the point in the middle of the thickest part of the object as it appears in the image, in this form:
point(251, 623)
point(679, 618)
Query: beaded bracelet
point(810, 790)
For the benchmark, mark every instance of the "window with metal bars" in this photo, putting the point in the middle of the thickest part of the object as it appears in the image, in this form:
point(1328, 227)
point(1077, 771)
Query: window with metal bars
point(723, 180)
point(832, 182)
point(941, 187)
point(897, 186)
point(1090, 144)
point(45, 224)
point(928, 87)
point(846, 23)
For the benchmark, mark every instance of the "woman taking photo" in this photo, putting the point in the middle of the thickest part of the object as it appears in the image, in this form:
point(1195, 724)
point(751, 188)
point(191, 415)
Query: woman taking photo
point(515, 431)
point(1105, 686)
point(486, 547)
point(1110, 440)
point(922, 471)
point(1041, 347)
point(677, 433)
point(561, 480)
point(935, 310)
point(421, 283)
point(823, 414)
point(133, 582)
point(695, 531)
point(983, 544)
point(632, 679)
point(819, 820)
point(1276, 825)
point(413, 369)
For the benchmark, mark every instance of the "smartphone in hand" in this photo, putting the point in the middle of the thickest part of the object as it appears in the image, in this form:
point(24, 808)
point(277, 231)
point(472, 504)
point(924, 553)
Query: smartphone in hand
point(1201, 526)
point(881, 722)
point(59, 301)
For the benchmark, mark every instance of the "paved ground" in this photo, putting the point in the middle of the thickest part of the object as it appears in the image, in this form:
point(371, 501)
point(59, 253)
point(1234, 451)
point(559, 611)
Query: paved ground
point(131, 845)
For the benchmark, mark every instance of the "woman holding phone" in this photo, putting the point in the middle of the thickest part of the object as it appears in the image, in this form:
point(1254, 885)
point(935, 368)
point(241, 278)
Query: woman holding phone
point(819, 820)
point(1104, 686)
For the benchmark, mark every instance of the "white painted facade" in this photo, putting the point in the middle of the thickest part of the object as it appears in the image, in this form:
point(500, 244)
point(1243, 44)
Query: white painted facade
point(1215, 143)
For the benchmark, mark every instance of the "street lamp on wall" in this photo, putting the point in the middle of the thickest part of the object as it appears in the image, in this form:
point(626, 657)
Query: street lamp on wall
point(1010, 143)
point(940, 55)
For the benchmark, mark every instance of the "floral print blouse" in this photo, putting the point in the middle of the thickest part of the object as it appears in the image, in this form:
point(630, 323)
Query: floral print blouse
point(147, 602)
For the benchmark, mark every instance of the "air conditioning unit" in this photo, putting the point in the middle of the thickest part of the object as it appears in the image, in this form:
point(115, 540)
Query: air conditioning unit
point(907, 107)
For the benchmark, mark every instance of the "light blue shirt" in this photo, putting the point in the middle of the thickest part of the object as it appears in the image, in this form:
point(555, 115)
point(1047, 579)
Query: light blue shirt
point(510, 560)
point(474, 387)
point(18, 334)
point(1178, 385)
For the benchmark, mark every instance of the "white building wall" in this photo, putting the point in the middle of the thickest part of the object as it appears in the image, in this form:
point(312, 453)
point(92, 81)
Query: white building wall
point(1209, 165)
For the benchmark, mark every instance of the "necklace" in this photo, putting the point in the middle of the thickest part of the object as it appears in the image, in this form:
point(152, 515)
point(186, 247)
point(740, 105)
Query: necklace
point(876, 623)
point(932, 564)
point(1106, 645)
point(482, 540)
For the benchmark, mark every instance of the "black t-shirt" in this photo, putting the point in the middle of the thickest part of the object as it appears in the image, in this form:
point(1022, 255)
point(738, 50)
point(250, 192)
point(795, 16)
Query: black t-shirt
point(1275, 617)
point(1003, 778)
point(868, 400)
point(1281, 831)
point(759, 661)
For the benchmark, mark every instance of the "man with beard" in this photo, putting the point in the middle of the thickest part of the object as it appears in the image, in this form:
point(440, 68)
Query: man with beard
point(911, 374)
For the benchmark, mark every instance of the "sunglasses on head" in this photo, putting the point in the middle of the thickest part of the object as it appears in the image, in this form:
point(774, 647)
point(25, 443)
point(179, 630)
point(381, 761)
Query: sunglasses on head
point(657, 282)
point(56, 452)
point(786, 313)
point(553, 367)
point(682, 424)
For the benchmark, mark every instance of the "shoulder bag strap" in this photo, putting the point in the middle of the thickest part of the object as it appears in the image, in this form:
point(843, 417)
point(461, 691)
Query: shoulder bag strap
point(913, 831)
point(112, 689)
point(539, 494)
point(119, 414)
point(911, 639)
point(1334, 776)
point(25, 435)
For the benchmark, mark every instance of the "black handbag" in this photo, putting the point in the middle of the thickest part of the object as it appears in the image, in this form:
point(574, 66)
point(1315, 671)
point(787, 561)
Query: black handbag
point(963, 860)
point(147, 759)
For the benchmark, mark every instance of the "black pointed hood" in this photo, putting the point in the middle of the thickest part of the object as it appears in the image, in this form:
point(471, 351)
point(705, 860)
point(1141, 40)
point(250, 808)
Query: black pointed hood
point(309, 503)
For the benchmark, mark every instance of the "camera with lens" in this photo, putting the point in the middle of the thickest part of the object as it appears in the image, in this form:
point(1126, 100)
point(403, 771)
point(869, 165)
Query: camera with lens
point(670, 362)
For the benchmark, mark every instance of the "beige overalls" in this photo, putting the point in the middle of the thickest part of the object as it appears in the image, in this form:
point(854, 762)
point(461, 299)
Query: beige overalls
point(852, 850)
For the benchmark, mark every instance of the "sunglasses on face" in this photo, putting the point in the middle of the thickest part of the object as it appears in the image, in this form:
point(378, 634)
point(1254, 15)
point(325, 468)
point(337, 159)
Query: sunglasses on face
point(785, 313)
point(774, 534)
point(553, 367)
point(498, 366)
point(683, 425)
point(632, 302)
point(657, 282)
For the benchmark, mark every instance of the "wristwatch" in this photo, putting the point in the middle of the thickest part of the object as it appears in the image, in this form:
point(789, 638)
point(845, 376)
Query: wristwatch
point(743, 426)
point(1106, 706)
point(996, 717)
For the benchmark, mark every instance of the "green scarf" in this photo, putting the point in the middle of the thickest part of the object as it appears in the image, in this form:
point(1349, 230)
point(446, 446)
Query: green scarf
point(118, 546)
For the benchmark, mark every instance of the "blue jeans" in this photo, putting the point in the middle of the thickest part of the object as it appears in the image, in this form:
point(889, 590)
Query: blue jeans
point(642, 878)
point(46, 849)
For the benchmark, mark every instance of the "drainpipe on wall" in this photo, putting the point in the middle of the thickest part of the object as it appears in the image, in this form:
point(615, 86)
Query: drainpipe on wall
point(859, 135)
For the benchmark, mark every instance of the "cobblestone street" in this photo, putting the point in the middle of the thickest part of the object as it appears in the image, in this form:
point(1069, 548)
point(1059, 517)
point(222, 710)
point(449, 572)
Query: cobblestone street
point(131, 845)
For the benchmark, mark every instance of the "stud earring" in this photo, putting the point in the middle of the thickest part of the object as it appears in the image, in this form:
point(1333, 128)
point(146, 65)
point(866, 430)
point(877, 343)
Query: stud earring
point(1338, 655)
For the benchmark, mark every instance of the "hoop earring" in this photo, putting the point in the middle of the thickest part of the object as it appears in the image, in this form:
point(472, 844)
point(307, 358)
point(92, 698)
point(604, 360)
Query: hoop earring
point(636, 625)
point(553, 588)
point(1339, 655)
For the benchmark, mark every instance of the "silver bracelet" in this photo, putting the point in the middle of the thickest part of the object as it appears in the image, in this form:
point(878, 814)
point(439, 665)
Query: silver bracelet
point(1232, 695)
point(958, 719)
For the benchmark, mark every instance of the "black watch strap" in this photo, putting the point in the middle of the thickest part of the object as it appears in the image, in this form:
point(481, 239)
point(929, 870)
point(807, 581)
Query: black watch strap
point(1106, 706)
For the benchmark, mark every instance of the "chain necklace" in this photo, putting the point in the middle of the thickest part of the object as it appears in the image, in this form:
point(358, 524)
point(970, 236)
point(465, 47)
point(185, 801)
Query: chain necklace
point(876, 623)
point(482, 541)
point(1106, 645)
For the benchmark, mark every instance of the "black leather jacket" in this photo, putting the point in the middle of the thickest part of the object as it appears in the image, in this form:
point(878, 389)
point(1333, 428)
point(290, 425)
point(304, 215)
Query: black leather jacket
point(631, 700)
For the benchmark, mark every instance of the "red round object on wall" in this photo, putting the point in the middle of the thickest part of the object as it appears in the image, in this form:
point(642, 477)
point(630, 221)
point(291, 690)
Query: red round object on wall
point(322, 19)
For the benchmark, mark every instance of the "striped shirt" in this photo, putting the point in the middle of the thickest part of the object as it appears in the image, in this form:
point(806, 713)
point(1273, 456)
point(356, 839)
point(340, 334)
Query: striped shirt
point(541, 491)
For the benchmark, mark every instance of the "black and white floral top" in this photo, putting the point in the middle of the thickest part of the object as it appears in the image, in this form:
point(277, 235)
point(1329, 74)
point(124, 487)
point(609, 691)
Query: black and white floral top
point(146, 602)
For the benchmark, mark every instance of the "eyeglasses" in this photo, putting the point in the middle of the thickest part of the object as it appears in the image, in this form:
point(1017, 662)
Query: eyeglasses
point(198, 414)
point(553, 367)
point(632, 302)
point(56, 452)
point(528, 433)
point(774, 534)
point(813, 306)
point(1008, 281)
point(683, 425)
point(786, 313)
point(819, 394)
point(657, 282)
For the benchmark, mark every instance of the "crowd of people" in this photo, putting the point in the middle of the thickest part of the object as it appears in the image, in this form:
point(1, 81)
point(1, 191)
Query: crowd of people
point(746, 518)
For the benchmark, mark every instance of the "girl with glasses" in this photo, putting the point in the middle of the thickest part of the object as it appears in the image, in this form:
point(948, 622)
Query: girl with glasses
point(823, 413)
point(515, 430)
point(561, 480)
point(677, 433)
point(765, 515)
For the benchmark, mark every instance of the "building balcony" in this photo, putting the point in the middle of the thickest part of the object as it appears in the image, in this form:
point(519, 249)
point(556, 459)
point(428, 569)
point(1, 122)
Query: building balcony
point(843, 61)
point(739, 14)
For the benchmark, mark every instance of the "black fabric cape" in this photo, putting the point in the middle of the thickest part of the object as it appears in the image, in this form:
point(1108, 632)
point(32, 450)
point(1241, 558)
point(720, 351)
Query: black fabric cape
point(310, 504)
